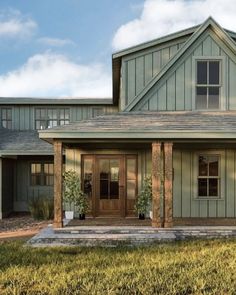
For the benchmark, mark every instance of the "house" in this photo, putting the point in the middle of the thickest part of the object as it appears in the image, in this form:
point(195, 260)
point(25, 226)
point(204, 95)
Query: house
point(172, 115)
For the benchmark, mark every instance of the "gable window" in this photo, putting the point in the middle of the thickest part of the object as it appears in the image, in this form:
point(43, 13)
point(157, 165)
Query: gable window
point(208, 176)
point(208, 84)
point(41, 174)
point(6, 118)
point(49, 118)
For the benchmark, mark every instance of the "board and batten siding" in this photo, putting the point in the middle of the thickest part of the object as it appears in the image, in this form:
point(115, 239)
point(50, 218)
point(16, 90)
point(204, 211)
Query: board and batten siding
point(185, 203)
point(140, 67)
point(23, 116)
point(175, 91)
point(23, 191)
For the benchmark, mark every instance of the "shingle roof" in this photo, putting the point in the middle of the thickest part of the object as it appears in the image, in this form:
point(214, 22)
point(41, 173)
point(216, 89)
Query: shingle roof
point(129, 124)
point(22, 142)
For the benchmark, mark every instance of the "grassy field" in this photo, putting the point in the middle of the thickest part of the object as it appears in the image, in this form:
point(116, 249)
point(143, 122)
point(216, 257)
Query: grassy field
point(197, 267)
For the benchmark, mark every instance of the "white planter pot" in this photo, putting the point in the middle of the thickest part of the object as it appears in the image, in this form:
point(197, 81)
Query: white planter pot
point(69, 214)
point(150, 214)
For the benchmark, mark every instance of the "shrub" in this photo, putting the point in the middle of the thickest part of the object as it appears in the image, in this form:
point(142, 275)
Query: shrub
point(145, 197)
point(73, 192)
point(41, 208)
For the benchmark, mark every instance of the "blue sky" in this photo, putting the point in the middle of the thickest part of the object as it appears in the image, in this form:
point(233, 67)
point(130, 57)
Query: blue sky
point(62, 48)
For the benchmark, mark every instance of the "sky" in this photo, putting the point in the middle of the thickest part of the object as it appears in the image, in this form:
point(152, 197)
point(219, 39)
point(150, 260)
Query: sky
point(63, 48)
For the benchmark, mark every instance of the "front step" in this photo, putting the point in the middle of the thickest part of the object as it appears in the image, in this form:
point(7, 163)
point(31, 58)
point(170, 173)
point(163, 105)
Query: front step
point(127, 236)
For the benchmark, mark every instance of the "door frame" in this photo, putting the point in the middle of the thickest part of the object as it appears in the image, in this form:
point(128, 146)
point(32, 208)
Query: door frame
point(123, 178)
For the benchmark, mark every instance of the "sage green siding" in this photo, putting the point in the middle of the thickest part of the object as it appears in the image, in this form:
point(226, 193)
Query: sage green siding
point(24, 192)
point(139, 68)
point(175, 91)
point(8, 170)
point(23, 116)
point(185, 201)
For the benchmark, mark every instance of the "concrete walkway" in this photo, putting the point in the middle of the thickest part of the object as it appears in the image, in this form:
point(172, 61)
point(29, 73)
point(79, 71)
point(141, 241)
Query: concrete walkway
point(110, 236)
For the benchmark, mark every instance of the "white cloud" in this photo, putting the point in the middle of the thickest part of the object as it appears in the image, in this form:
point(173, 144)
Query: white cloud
point(161, 17)
point(55, 42)
point(14, 24)
point(53, 75)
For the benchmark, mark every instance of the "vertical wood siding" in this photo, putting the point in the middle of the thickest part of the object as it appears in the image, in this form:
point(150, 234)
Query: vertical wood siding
point(139, 68)
point(186, 204)
point(24, 192)
point(23, 117)
point(176, 91)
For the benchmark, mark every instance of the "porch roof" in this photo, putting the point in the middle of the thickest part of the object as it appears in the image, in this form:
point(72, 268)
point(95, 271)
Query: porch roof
point(152, 125)
point(13, 142)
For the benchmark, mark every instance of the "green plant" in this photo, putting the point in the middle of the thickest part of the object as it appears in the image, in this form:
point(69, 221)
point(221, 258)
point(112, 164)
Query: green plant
point(145, 196)
point(41, 208)
point(73, 192)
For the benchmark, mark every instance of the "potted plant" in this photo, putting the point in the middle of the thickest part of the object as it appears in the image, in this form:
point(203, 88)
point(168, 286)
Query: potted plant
point(73, 194)
point(81, 203)
point(144, 198)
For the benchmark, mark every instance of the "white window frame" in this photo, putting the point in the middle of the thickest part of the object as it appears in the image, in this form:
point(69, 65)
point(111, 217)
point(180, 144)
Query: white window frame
point(222, 82)
point(221, 155)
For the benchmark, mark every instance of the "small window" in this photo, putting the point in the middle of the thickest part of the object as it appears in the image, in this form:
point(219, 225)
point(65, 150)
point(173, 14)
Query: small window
point(49, 118)
point(208, 176)
point(208, 85)
point(6, 118)
point(42, 174)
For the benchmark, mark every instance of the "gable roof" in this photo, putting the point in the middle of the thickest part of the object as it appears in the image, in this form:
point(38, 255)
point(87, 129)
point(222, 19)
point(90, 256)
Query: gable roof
point(149, 125)
point(210, 22)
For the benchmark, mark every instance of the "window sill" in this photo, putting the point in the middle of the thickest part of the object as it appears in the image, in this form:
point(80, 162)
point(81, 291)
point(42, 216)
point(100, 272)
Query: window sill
point(209, 199)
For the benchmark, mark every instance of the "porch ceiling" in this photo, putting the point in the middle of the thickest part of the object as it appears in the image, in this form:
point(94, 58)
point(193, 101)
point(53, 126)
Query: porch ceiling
point(150, 125)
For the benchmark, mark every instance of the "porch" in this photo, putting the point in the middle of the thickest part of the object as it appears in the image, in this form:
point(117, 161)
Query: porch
point(174, 147)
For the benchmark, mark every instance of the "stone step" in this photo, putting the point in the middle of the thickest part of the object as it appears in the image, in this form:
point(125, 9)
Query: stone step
point(128, 236)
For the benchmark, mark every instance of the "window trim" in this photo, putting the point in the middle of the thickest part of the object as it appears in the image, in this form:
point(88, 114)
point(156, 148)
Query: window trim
point(222, 82)
point(7, 120)
point(42, 174)
point(46, 120)
point(221, 176)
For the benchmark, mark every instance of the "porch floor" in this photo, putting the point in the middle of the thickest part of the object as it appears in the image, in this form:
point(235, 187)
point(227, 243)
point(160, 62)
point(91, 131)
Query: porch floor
point(108, 221)
point(112, 236)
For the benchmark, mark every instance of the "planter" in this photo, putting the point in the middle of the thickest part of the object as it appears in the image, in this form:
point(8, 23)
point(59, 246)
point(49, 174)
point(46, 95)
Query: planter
point(69, 214)
point(141, 216)
point(81, 216)
point(150, 214)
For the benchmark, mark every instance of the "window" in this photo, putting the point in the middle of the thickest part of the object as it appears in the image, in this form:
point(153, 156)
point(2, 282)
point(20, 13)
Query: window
point(208, 176)
point(6, 116)
point(49, 118)
point(208, 84)
point(42, 174)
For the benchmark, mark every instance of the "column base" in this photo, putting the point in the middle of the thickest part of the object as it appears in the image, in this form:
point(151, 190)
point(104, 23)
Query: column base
point(156, 223)
point(58, 224)
point(168, 224)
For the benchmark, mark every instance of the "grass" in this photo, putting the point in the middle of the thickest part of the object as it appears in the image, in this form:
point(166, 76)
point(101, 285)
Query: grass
point(196, 267)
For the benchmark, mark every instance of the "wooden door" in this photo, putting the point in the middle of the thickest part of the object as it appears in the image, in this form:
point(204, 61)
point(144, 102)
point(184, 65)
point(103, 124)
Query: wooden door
point(109, 185)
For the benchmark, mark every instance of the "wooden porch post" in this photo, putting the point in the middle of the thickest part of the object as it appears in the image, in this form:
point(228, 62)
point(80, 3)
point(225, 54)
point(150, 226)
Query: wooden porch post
point(1, 188)
point(168, 184)
point(58, 162)
point(156, 184)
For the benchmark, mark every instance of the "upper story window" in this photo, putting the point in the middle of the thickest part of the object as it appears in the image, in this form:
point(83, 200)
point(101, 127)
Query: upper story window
point(6, 118)
point(208, 84)
point(49, 118)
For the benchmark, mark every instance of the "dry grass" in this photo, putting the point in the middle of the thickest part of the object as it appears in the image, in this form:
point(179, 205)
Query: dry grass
point(196, 267)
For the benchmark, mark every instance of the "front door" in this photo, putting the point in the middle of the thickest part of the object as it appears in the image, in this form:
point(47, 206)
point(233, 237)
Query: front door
point(110, 182)
point(109, 187)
